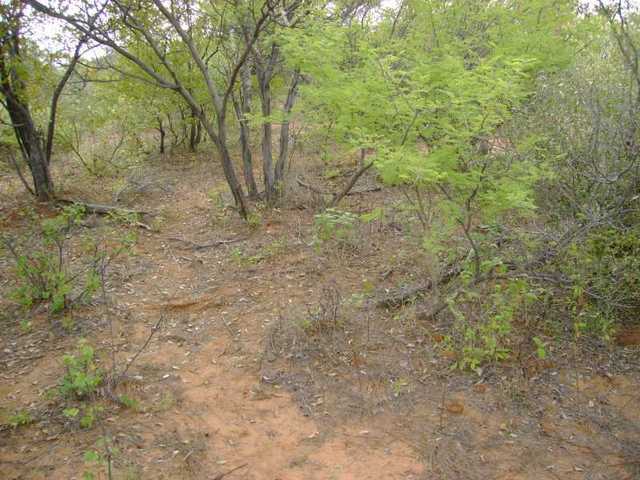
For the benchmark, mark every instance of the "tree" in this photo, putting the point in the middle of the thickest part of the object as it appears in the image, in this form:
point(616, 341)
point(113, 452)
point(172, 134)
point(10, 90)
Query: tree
point(36, 149)
point(159, 26)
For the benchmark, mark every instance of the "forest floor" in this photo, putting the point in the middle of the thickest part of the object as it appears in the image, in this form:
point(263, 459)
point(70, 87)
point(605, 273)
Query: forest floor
point(273, 362)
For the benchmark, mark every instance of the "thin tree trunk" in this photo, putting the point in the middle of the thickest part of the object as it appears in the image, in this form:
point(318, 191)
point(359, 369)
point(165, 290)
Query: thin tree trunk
point(176, 137)
point(13, 90)
point(162, 134)
point(198, 132)
point(267, 151)
point(243, 109)
point(284, 131)
point(219, 139)
point(193, 135)
point(31, 146)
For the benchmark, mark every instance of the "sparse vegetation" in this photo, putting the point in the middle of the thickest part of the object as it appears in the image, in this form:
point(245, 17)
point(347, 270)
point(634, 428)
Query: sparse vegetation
point(310, 232)
point(82, 376)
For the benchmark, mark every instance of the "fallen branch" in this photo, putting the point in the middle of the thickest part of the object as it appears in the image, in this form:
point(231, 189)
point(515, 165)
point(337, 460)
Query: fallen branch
point(122, 374)
point(349, 186)
point(101, 209)
point(198, 246)
point(347, 190)
point(399, 297)
point(364, 190)
point(312, 188)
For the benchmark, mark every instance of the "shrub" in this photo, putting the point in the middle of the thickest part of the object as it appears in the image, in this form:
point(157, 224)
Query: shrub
point(20, 418)
point(484, 323)
point(335, 226)
point(43, 274)
point(82, 376)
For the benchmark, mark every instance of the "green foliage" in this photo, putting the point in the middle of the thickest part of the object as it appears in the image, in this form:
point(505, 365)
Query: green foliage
point(254, 220)
point(20, 418)
point(89, 416)
point(605, 272)
point(541, 348)
point(71, 412)
point(129, 402)
point(26, 326)
point(583, 126)
point(42, 274)
point(484, 324)
point(336, 227)
point(48, 273)
point(82, 377)
point(99, 459)
point(267, 251)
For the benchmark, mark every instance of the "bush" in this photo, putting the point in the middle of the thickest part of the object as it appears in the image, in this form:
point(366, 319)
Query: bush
point(82, 376)
point(43, 273)
point(484, 323)
point(605, 274)
point(335, 226)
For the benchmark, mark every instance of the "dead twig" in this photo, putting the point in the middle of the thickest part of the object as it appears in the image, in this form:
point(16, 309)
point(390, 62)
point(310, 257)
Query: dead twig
point(399, 297)
point(198, 246)
point(347, 190)
point(316, 190)
point(220, 476)
point(155, 328)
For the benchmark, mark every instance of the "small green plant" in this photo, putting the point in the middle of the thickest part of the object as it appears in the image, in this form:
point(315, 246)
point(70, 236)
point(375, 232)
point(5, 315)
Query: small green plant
point(270, 250)
point(336, 226)
point(43, 272)
point(100, 458)
point(486, 338)
point(398, 386)
point(129, 402)
point(541, 348)
point(71, 412)
point(25, 326)
point(89, 416)
point(375, 214)
point(331, 173)
point(121, 217)
point(20, 418)
point(68, 323)
point(82, 376)
point(254, 220)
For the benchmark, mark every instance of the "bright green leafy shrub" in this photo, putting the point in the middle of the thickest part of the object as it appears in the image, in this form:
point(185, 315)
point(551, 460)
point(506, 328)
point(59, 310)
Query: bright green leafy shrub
point(43, 272)
point(82, 376)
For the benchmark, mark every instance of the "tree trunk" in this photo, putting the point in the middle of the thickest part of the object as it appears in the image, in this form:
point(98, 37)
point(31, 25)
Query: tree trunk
point(193, 133)
point(177, 140)
point(14, 92)
point(267, 153)
point(162, 134)
point(220, 141)
point(198, 132)
point(243, 109)
point(284, 131)
point(31, 145)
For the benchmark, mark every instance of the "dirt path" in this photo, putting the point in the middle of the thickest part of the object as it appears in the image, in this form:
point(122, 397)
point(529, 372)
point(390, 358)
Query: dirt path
point(223, 390)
